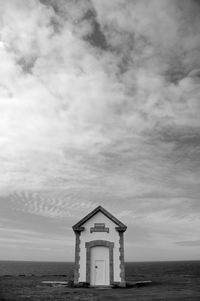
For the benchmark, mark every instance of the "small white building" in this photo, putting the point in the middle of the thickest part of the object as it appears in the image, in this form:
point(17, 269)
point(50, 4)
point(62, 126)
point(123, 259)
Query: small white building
point(99, 250)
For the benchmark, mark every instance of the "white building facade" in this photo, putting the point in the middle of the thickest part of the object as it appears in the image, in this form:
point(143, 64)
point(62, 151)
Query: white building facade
point(99, 249)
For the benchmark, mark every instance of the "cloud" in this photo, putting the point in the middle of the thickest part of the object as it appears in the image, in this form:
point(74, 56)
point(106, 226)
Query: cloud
point(50, 204)
point(189, 243)
point(99, 104)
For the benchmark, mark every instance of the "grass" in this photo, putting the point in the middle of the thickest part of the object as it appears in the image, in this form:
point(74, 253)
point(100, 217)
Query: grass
point(30, 288)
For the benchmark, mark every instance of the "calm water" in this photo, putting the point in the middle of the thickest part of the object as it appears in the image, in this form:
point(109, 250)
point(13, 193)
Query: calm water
point(16, 268)
point(134, 270)
point(161, 271)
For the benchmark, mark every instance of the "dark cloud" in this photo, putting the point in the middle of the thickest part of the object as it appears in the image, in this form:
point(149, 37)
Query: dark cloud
point(184, 142)
point(181, 136)
point(78, 13)
point(176, 71)
point(26, 65)
point(96, 37)
point(189, 243)
point(73, 12)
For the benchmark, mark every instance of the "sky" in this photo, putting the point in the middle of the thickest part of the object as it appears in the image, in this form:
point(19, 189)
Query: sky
point(99, 105)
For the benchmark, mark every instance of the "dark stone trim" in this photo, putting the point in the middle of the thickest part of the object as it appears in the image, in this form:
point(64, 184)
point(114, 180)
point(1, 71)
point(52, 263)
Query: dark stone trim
point(92, 230)
point(77, 257)
point(78, 229)
point(99, 227)
point(121, 229)
point(121, 258)
point(95, 243)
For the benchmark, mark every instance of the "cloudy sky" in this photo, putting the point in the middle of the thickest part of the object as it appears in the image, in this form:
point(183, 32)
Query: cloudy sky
point(99, 105)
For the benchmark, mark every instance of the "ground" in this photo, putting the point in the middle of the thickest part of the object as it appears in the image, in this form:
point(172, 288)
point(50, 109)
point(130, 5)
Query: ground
point(30, 288)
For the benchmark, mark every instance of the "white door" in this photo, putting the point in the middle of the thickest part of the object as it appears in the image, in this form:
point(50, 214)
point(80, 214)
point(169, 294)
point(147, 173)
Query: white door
point(99, 272)
point(99, 269)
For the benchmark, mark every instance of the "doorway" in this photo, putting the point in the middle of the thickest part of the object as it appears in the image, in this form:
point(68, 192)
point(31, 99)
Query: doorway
point(99, 269)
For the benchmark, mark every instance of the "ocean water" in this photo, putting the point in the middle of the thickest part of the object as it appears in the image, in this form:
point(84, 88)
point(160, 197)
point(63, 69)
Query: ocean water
point(135, 271)
point(163, 271)
point(36, 268)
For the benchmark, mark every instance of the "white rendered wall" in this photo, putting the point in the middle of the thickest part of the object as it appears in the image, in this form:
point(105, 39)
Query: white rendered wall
point(112, 236)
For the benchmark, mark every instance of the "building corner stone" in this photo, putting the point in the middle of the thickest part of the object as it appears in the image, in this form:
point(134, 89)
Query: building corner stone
point(77, 257)
point(121, 258)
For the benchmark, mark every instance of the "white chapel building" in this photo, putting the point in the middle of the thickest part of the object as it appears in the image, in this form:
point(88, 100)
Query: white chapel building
point(99, 249)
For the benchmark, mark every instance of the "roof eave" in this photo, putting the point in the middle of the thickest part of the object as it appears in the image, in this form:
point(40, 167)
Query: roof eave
point(78, 229)
point(121, 229)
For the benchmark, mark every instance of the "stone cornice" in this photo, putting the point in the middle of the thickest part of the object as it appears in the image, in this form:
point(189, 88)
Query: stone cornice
point(78, 229)
point(121, 229)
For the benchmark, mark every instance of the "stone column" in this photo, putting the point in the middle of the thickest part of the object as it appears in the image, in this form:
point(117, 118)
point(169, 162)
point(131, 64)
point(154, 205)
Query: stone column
point(121, 258)
point(77, 257)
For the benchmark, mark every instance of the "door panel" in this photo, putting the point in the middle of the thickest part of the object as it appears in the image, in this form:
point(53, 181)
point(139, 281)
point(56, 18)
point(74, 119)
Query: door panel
point(99, 266)
point(99, 272)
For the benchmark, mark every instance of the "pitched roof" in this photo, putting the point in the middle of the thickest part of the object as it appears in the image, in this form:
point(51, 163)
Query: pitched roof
point(120, 225)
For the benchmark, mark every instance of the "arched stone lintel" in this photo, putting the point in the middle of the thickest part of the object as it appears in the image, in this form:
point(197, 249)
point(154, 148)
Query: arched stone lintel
point(95, 243)
point(103, 243)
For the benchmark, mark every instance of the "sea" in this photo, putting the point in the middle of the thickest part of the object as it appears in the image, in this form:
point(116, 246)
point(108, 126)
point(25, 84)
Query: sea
point(135, 271)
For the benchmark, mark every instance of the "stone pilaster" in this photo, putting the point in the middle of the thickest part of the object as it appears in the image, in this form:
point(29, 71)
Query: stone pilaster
point(121, 258)
point(77, 257)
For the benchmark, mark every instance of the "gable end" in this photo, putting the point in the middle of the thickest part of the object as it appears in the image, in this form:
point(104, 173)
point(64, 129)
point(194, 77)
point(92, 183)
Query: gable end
point(120, 226)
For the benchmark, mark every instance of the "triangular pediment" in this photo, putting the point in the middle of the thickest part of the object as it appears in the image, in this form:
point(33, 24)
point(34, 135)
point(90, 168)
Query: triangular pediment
point(119, 225)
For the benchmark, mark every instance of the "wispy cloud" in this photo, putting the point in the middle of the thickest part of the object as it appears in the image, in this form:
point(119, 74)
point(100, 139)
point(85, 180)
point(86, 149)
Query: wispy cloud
point(50, 204)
